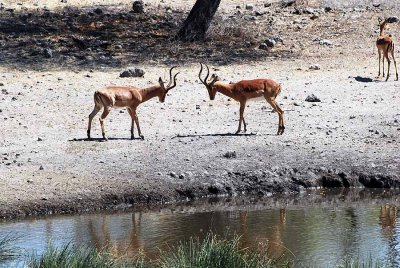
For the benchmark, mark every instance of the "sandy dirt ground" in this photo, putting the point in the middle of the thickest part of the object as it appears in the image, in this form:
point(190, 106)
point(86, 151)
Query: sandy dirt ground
point(350, 138)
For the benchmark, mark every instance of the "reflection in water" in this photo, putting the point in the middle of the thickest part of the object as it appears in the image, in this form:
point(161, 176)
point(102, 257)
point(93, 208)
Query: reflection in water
point(321, 236)
point(388, 220)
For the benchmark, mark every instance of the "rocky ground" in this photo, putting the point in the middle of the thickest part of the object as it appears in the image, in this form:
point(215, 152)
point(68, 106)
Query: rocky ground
point(53, 60)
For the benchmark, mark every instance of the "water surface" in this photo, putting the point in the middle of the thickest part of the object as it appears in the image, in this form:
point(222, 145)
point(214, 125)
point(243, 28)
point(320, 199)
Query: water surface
point(321, 232)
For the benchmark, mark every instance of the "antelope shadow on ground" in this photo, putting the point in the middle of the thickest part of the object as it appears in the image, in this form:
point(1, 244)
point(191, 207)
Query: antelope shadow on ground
point(215, 135)
point(366, 79)
point(103, 140)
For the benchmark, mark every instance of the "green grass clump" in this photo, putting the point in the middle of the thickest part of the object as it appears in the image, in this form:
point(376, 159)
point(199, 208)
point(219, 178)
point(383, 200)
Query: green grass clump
point(356, 263)
point(70, 256)
point(7, 249)
point(213, 252)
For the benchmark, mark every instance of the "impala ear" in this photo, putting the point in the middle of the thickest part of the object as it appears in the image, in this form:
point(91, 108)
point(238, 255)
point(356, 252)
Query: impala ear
point(161, 82)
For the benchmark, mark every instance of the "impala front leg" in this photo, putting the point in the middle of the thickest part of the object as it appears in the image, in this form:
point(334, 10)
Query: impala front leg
point(91, 116)
point(137, 124)
point(242, 106)
point(275, 106)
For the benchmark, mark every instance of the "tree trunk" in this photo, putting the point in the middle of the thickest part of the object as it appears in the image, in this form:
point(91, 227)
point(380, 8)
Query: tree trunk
point(197, 23)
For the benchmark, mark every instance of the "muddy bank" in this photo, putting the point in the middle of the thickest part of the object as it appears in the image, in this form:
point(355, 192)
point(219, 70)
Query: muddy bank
point(262, 185)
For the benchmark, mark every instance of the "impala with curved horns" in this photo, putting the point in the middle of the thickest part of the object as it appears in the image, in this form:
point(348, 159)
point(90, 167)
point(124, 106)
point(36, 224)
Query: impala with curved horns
point(129, 97)
point(243, 91)
point(385, 45)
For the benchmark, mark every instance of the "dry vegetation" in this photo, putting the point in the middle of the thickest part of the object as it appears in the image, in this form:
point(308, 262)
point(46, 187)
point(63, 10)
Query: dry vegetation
point(113, 36)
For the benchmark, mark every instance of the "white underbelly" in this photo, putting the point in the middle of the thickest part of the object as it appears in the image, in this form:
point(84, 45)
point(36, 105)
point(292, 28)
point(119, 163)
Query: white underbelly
point(261, 98)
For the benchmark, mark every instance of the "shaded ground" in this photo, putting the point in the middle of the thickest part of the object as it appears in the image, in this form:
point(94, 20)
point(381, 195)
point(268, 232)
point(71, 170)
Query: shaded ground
point(114, 36)
point(350, 138)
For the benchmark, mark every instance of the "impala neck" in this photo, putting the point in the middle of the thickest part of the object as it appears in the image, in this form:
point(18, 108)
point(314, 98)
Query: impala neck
point(382, 27)
point(225, 89)
point(150, 92)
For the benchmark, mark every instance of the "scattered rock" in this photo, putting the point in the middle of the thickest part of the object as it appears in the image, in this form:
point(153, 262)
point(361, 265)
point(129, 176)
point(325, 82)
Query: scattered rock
point(41, 167)
point(263, 46)
point(39, 139)
point(138, 6)
point(249, 6)
point(1, 84)
point(315, 67)
point(182, 176)
point(173, 174)
point(98, 11)
point(325, 42)
point(48, 53)
point(327, 9)
point(392, 19)
point(312, 98)
point(132, 72)
point(270, 42)
point(230, 154)
point(308, 10)
point(288, 3)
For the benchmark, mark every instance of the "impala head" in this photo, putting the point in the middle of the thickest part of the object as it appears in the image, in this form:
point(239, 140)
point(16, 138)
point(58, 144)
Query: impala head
point(209, 84)
point(166, 88)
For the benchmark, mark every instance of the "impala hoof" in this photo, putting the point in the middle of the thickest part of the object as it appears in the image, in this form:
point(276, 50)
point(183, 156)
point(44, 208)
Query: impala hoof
point(132, 137)
point(88, 134)
point(142, 137)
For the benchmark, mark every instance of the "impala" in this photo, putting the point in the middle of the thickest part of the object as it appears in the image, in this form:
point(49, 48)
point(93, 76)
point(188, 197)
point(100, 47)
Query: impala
point(243, 91)
point(129, 97)
point(385, 45)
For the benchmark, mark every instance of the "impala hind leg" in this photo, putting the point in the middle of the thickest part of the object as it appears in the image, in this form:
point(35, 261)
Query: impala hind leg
point(379, 63)
point(275, 106)
point(241, 118)
point(383, 65)
point(388, 61)
point(395, 65)
point(102, 117)
point(132, 124)
point(96, 109)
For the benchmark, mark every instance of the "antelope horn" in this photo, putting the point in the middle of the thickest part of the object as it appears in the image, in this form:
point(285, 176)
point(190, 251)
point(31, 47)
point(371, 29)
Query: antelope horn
point(170, 76)
point(174, 85)
point(208, 73)
point(201, 70)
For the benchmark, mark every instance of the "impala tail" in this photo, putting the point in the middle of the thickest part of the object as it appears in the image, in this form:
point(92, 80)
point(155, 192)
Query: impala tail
point(278, 91)
point(97, 99)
